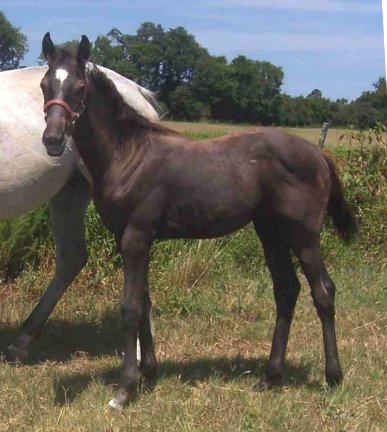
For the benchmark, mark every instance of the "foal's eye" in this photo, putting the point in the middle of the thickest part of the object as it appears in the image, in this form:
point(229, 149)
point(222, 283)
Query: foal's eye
point(79, 86)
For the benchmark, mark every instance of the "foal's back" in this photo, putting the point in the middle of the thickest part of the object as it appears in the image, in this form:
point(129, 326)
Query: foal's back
point(212, 187)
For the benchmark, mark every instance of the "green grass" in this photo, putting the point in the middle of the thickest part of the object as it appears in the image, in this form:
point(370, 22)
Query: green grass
point(214, 315)
point(204, 134)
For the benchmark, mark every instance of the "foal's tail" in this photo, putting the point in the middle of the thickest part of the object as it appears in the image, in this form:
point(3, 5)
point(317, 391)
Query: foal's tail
point(338, 208)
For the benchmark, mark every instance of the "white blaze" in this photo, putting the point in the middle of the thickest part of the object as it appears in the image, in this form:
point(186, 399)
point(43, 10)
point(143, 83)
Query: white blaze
point(61, 75)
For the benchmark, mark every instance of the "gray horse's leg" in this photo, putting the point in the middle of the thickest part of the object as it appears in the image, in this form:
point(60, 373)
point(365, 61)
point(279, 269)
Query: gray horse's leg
point(67, 214)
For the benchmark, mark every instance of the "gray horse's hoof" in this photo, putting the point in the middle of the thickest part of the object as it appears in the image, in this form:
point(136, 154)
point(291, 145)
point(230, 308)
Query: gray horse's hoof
point(15, 354)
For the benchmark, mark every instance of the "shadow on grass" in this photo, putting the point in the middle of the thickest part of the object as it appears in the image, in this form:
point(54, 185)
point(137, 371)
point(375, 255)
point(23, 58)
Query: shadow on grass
point(63, 340)
point(237, 368)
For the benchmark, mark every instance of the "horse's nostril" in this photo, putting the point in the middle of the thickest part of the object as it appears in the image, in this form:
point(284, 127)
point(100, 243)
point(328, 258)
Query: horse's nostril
point(53, 138)
point(54, 142)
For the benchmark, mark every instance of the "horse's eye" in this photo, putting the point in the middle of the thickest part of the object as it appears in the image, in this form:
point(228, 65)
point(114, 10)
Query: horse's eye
point(79, 85)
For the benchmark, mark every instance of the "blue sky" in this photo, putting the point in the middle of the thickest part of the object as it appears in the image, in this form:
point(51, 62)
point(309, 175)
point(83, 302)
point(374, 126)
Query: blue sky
point(333, 45)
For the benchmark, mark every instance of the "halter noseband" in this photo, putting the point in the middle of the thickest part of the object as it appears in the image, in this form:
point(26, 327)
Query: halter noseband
point(74, 116)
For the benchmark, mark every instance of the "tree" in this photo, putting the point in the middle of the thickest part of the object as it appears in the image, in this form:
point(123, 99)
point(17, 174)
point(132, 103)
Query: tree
point(13, 44)
point(316, 93)
point(214, 85)
point(258, 93)
point(295, 111)
point(183, 105)
point(160, 60)
point(371, 106)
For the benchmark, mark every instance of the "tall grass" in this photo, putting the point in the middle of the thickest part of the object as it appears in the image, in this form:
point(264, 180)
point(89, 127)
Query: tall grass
point(22, 241)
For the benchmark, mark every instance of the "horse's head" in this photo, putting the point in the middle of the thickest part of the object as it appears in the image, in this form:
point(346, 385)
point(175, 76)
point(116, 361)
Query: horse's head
point(64, 88)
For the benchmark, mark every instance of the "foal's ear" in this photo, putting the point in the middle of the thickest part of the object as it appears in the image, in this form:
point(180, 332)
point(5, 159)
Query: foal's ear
point(83, 52)
point(48, 48)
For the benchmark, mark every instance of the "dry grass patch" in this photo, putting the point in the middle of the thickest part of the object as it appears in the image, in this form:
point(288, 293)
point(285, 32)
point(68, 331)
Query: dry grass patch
point(209, 359)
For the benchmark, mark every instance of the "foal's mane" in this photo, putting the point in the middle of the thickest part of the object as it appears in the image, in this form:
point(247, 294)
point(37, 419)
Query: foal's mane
point(129, 121)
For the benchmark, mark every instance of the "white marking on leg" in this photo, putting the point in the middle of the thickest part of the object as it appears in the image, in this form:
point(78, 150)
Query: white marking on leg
point(61, 75)
point(138, 352)
point(115, 405)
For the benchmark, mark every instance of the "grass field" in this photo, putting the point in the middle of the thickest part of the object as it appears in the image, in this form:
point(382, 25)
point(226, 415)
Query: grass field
point(214, 315)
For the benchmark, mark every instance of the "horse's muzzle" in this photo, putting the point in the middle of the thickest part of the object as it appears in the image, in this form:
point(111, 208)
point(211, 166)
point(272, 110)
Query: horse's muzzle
point(55, 143)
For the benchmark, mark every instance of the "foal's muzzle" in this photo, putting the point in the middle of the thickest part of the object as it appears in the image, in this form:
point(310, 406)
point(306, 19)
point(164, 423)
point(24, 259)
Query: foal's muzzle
point(55, 142)
point(60, 125)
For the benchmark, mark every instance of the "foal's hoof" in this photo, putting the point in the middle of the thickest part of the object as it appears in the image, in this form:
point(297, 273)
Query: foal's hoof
point(149, 377)
point(262, 386)
point(15, 354)
point(267, 383)
point(334, 377)
point(114, 404)
point(123, 396)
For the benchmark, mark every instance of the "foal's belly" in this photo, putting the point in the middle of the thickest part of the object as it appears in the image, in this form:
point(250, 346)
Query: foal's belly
point(204, 222)
point(201, 231)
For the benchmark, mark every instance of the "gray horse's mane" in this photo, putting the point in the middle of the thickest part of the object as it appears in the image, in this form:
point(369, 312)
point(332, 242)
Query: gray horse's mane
point(127, 118)
point(151, 97)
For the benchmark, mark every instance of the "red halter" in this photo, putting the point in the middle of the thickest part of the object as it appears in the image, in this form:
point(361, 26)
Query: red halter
point(73, 115)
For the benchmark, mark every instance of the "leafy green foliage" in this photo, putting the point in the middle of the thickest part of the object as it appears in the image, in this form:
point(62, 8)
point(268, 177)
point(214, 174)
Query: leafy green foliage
point(364, 173)
point(194, 85)
point(365, 112)
point(13, 45)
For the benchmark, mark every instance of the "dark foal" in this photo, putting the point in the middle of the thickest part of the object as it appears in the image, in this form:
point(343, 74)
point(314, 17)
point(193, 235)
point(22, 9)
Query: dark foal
point(151, 183)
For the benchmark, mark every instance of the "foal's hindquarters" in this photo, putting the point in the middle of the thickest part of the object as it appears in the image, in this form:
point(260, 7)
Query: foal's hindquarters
point(298, 205)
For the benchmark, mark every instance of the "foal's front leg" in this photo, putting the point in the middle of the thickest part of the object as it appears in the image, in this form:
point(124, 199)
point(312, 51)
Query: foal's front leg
point(135, 247)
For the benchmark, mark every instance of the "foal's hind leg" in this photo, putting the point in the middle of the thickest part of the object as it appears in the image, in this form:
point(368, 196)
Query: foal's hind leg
point(286, 289)
point(306, 246)
point(67, 214)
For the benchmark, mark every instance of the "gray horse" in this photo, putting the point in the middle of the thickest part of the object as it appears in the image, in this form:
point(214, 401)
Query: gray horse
point(29, 178)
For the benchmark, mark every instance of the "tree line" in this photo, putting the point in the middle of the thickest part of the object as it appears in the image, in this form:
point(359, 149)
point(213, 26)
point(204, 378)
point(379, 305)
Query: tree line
point(194, 85)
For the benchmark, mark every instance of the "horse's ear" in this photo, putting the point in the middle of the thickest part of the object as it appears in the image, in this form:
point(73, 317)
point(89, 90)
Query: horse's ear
point(48, 47)
point(83, 52)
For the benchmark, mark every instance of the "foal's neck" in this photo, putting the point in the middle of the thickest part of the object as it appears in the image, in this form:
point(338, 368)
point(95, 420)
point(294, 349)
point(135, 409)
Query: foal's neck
point(98, 138)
